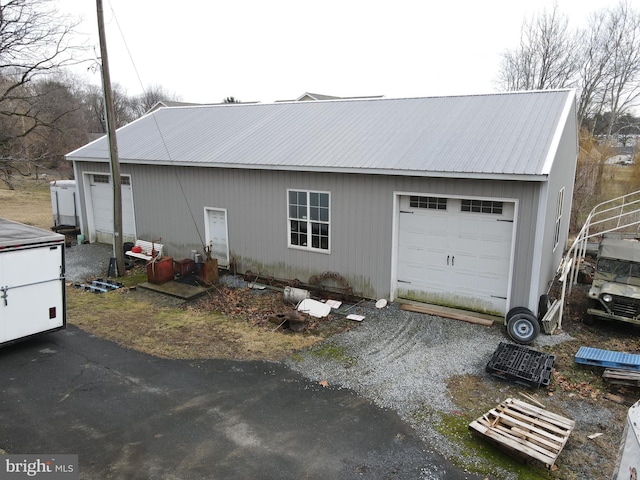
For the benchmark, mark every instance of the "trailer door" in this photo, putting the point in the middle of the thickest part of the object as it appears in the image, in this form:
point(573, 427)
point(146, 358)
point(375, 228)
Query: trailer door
point(31, 291)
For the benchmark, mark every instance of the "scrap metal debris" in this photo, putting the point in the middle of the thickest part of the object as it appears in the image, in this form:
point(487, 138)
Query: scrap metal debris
point(99, 286)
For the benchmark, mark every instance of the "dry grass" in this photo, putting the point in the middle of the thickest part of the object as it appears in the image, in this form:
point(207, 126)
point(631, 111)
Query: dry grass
point(228, 324)
point(29, 203)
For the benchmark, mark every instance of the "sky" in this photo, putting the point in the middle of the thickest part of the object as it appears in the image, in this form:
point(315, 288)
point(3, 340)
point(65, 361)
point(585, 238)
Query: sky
point(255, 50)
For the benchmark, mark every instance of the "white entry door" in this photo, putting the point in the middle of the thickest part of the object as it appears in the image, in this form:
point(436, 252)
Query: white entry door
point(455, 252)
point(216, 234)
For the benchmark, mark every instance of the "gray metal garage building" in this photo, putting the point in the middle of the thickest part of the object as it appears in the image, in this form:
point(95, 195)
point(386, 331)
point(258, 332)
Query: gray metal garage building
point(461, 201)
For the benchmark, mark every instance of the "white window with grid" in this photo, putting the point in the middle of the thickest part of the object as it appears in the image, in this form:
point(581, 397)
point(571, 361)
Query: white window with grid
point(309, 220)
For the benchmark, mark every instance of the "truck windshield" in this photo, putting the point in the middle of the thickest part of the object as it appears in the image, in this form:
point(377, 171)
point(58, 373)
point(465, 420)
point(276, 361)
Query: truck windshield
point(618, 267)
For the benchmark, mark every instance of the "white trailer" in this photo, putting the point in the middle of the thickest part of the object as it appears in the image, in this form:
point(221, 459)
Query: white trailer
point(64, 204)
point(32, 281)
point(628, 465)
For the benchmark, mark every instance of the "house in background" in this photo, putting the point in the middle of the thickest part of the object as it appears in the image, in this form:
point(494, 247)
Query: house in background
point(461, 201)
point(312, 97)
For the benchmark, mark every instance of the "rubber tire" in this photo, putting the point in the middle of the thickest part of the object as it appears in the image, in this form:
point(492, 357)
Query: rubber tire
point(590, 320)
point(543, 306)
point(523, 328)
point(516, 310)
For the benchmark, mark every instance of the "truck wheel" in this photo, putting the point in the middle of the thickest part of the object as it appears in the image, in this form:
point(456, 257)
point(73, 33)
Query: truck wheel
point(517, 310)
point(589, 319)
point(523, 328)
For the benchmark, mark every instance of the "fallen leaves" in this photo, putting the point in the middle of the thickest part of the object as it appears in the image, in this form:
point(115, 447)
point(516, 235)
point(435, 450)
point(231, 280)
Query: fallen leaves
point(583, 389)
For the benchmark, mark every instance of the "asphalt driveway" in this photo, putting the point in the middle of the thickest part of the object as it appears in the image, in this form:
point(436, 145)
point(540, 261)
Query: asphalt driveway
point(132, 416)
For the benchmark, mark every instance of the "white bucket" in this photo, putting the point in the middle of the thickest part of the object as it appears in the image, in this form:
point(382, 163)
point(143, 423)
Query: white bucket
point(295, 295)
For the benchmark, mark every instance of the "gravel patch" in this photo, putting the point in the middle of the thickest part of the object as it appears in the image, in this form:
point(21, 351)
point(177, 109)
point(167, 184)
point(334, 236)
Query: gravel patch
point(400, 355)
point(87, 261)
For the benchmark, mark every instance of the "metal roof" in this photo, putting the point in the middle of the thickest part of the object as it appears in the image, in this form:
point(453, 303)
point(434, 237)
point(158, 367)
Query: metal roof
point(513, 134)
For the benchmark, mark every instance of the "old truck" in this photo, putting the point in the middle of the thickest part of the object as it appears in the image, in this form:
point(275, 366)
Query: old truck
point(32, 281)
point(615, 290)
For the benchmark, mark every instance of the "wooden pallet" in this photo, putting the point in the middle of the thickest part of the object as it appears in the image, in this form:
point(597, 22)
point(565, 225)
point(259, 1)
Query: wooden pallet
point(622, 377)
point(524, 431)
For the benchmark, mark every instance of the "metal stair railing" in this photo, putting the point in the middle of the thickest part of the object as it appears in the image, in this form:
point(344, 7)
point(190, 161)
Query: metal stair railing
point(620, 213)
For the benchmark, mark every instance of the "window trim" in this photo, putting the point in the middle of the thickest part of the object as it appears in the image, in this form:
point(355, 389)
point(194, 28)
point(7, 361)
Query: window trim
point(488, 207)
point(428, 202)
point(308, 247)
point(559, 215)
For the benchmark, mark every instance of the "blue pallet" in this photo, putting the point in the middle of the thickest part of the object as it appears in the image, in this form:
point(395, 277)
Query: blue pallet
point(608, 358)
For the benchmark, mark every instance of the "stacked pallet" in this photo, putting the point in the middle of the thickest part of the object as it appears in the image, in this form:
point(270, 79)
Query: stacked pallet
point(622, 377)
point(524, 431)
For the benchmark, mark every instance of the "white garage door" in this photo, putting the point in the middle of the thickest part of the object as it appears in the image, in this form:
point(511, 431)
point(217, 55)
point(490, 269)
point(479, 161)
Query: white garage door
point(101, 201)
point(455, 252)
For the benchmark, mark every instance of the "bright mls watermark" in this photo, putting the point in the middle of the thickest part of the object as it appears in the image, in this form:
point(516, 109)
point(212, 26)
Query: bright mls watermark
point(49, 467)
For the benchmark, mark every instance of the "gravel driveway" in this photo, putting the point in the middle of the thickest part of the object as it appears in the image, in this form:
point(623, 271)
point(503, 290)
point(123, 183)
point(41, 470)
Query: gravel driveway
point(402, 360)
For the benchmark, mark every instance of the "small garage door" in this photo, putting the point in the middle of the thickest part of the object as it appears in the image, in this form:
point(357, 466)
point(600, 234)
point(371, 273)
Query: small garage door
point(101, 201)
point(455, 252)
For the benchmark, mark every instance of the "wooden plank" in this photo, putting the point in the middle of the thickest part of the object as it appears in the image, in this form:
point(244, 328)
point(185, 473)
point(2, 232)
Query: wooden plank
point(455, 315)
point(523, 457)
point(518, 445)
point(614, 373)
point(541, 422)
point(622, 377)
point(536, 423)
point(547, 445)
point(546, 452)
point(542, 413)
point(533, 427)
point(531, 399)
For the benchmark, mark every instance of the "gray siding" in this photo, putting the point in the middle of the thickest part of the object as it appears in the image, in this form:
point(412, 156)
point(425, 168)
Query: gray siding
point(561, 175)
point(361, 218)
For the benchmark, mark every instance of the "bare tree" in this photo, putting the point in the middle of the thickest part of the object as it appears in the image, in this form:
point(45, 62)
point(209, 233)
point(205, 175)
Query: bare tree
point(34, 42)
point(622, 88)
point(546, 57)
point(151, 96)
point(593, 70)
point(604, 65)
point(61, 106)
point(93, 100)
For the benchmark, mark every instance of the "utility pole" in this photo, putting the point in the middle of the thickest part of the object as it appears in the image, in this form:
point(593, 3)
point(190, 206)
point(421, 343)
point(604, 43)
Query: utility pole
point(113, 147)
